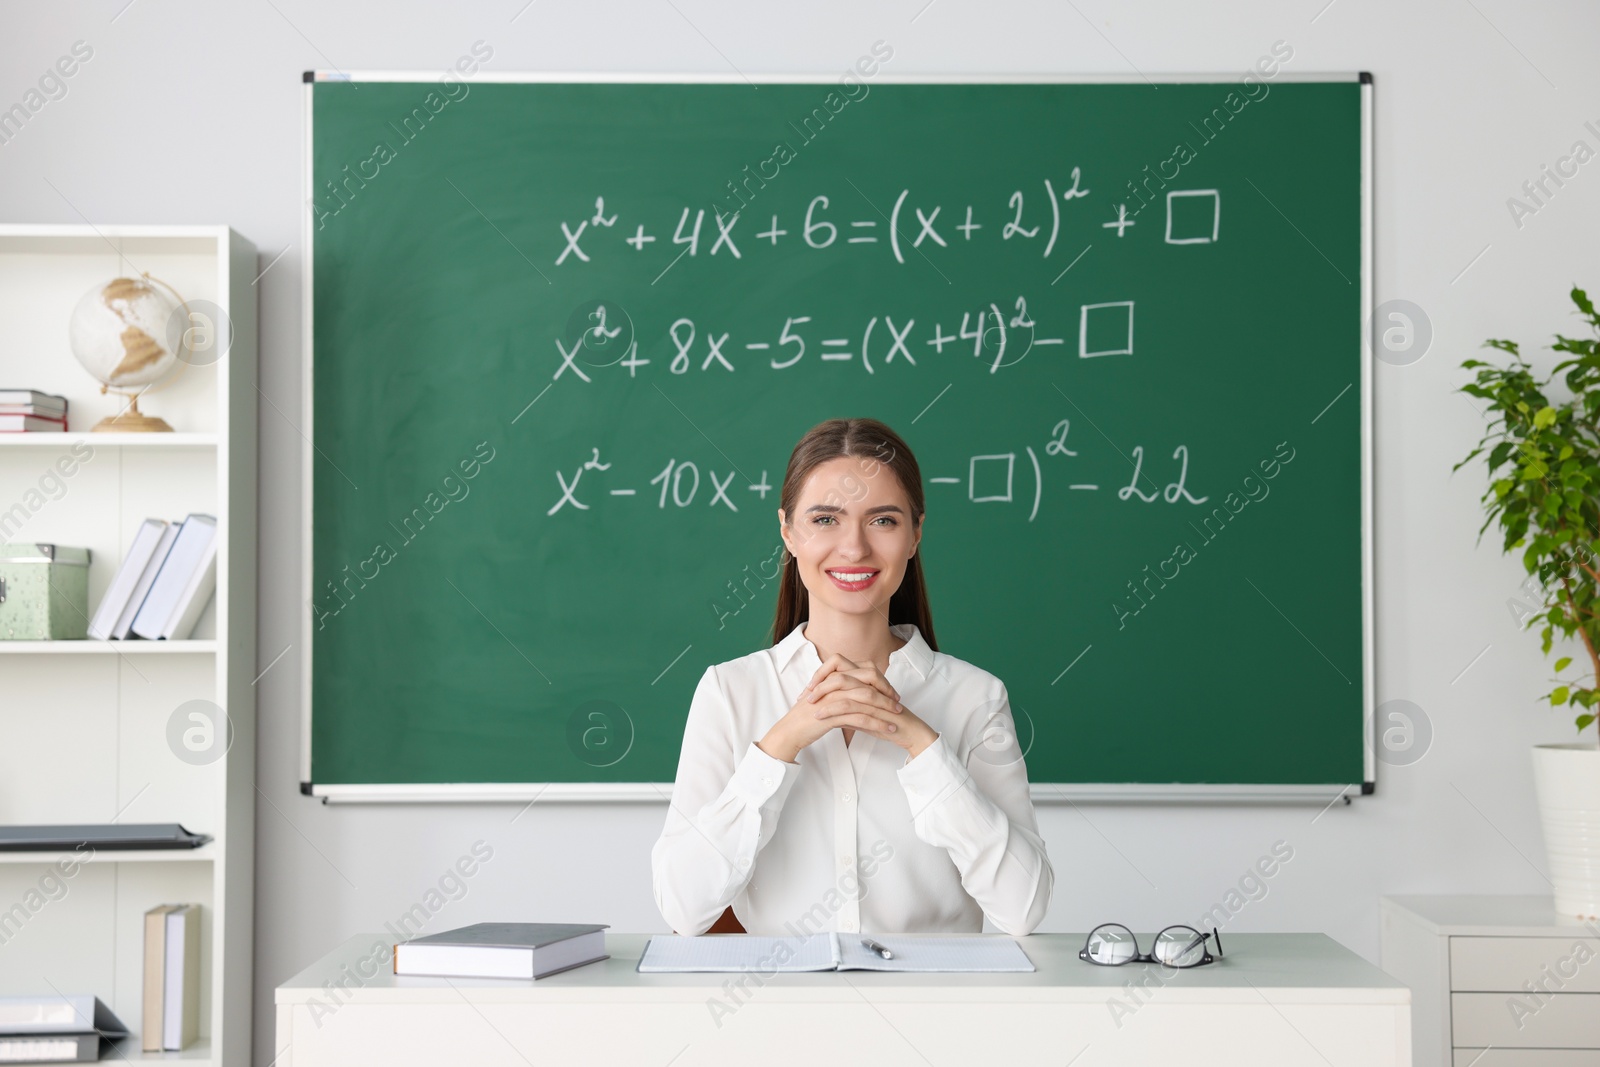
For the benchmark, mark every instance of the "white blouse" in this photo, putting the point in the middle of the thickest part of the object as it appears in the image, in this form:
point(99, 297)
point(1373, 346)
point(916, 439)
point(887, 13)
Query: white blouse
point(851, 837)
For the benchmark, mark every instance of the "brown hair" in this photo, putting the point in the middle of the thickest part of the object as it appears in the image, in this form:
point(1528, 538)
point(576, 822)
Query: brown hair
point(879, 446)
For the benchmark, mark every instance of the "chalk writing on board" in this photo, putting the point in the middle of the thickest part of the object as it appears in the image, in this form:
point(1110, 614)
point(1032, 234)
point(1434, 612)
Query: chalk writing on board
point(1198, 218)
point(1121, 222)
point(1172, 492)
point(1194, 216)
point(991, 478)
point(909, 226)
point(1058, 443)
point(1113, 327)
point(1104, 329)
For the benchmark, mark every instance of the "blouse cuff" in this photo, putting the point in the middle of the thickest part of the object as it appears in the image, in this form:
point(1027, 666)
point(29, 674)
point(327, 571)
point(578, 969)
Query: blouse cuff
point(762, 780)
point(934, 774)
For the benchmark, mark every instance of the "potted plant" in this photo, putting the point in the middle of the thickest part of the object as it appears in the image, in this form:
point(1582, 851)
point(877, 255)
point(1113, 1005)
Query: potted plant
point(1544, 492)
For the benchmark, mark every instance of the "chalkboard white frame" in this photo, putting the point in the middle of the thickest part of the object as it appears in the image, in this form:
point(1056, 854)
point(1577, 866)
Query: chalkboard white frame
point(1042, 792)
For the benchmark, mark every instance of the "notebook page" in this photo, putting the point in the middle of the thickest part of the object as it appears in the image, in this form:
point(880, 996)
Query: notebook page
point(912, 954)
point(667, 953)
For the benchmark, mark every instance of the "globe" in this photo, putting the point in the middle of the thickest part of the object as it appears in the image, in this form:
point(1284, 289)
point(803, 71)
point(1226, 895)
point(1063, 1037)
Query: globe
point(119, 333)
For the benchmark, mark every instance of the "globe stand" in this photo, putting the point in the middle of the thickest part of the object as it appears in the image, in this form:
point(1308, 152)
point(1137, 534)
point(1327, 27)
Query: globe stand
point(132, 420)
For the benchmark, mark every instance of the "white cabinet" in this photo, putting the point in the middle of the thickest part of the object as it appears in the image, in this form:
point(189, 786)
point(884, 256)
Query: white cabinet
point(1497, 981)
point(87, 727)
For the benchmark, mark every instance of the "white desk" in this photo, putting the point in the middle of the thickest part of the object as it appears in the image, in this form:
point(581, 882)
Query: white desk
point(1276, 1000)
point(1470, 961)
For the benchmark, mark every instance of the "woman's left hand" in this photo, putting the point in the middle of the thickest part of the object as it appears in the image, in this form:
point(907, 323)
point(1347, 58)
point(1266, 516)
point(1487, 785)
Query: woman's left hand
point(839, 674)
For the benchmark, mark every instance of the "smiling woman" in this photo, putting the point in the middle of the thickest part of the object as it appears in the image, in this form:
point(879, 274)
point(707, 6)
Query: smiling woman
point(851, 728)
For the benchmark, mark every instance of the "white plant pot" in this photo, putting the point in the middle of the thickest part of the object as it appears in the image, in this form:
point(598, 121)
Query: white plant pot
point(1566, 778)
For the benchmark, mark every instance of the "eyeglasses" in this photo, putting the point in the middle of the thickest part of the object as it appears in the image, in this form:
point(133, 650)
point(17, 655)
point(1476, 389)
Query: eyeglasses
point(1112, 945)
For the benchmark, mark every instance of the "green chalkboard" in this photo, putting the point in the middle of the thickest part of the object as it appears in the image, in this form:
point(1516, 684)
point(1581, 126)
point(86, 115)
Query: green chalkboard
point(1119, 324)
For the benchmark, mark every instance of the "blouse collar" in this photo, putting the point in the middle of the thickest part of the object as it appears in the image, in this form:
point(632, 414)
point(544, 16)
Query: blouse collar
point(915, 653)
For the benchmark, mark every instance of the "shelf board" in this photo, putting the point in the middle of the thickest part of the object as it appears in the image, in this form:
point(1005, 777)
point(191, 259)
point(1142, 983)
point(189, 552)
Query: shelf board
point(109, 440)
point(204, 854)
point(107, 648)
point(128, 1050)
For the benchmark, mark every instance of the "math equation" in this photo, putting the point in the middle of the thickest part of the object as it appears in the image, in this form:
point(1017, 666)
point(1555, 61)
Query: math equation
point(997, 337)
point(1005, 478)
point(907, 229)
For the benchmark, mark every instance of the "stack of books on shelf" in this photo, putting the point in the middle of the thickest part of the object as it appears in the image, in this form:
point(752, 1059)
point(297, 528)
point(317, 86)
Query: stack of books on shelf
point(171, 977)
point(30, 411)
point(164, 583)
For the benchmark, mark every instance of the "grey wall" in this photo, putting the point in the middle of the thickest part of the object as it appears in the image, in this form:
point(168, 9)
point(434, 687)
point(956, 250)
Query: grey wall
point(190, 113)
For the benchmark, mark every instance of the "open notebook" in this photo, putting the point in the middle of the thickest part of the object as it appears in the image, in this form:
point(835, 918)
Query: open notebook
point(830, 951)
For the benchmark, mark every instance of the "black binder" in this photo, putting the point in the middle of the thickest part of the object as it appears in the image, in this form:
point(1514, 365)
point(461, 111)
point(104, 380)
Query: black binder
point(106, 836)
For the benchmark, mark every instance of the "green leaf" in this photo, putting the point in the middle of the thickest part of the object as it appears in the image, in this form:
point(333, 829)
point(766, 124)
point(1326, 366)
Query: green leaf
point(1558, 696)
point(1581, 298)
point(1584, 720)
point(1563, 663)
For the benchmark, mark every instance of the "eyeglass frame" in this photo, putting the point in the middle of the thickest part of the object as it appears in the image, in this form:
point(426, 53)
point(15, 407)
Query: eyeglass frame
point(1149, 957)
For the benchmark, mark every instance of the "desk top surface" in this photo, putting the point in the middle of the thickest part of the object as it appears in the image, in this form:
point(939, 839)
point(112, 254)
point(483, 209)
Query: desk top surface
point(1293, 968)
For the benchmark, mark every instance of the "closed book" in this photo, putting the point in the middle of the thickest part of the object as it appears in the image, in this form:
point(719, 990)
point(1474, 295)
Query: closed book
point(147, 578)
point(43, 403)
point(194, 598)
point(120, 591)
point(31, 424)
point(181, 1001)
point(187, 574)
point(503, 950)
point(153, 1008)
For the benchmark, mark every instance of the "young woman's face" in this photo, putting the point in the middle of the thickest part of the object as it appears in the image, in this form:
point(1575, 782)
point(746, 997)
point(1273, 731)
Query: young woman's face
point(852, 534)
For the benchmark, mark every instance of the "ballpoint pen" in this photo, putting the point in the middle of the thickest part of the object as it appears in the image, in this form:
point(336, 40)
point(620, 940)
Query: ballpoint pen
point(879, 949)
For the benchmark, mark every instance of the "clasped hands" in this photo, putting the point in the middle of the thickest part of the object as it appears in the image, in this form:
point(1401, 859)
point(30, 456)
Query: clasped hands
point(844, 694)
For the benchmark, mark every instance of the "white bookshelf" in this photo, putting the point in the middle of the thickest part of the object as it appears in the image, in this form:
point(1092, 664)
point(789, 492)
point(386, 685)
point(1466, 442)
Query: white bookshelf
point(204, 854)
point(84, 724)
point(106, 648)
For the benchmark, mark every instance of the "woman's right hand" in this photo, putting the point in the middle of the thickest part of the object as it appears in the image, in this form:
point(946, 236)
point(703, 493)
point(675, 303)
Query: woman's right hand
point(869, 706)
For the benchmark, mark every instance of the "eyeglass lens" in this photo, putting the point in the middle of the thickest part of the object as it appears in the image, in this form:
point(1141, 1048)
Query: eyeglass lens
point(1112, 944)
point(1179, 946)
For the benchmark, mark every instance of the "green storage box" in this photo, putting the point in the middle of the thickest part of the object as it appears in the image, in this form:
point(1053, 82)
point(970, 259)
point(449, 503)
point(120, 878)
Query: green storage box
point(44, 593)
